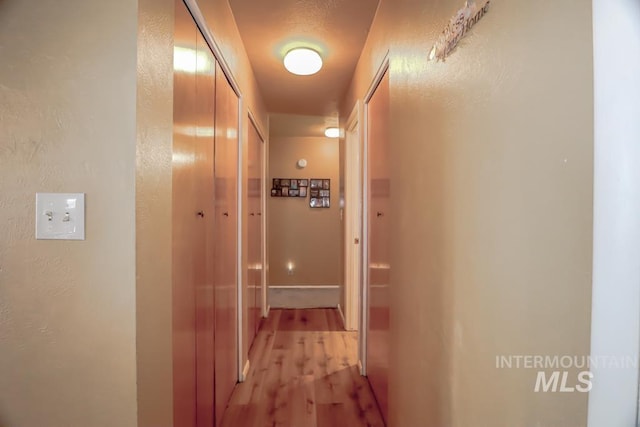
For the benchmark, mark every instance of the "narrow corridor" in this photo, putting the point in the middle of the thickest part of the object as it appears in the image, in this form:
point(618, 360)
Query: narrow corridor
point(304, 373)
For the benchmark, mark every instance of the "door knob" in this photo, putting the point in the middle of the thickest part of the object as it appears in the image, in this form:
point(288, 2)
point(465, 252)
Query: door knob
point(201, 214)
point(226, 214)
point(356, 241)
point(379, 214)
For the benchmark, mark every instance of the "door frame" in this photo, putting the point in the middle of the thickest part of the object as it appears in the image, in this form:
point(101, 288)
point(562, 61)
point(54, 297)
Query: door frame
point(364, 302)
point(353, 219)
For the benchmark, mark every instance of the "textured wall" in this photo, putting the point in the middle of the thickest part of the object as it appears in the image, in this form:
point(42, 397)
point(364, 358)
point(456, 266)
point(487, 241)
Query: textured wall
point(67, 124)
point(153, 211)
point(310, 238)
point(492, 203)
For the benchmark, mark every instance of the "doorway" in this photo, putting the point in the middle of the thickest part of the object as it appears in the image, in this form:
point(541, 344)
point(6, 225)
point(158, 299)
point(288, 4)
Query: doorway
point(353, 221)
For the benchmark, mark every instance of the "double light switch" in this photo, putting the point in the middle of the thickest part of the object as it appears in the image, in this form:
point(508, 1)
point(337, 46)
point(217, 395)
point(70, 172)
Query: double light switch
point(60, 216)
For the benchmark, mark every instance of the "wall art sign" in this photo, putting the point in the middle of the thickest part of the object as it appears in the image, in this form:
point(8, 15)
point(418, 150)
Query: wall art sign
point(458, 26)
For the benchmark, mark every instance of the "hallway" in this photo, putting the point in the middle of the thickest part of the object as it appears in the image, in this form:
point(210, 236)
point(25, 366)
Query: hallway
point(303, 373)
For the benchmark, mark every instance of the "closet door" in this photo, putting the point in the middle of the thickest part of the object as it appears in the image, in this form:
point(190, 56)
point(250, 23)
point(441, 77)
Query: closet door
point(205, 240)
point(379, 241)
point(186, 224)
point(226, 242)
point(254, 185)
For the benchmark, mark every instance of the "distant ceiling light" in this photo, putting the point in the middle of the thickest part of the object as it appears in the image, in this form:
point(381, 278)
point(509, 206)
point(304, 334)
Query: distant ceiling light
point(332, 132)
point(303, 61)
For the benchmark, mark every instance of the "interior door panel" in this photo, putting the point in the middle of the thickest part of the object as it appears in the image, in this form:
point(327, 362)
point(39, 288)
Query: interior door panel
point(185, 222)
point(379, 267)
point(225, 249)
point(254, 274)
point(204, 242)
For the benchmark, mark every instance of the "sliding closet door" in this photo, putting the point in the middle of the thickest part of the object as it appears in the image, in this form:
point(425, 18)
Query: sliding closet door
point(225, 249)
point(254, 185)
point(204, 242)
point(379, 241)
point(186, 224)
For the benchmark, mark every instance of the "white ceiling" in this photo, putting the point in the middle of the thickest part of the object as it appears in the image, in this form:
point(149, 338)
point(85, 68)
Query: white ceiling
point(337, 29)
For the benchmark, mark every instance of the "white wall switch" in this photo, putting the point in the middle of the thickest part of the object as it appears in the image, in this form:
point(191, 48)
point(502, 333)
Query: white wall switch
point(60, 216)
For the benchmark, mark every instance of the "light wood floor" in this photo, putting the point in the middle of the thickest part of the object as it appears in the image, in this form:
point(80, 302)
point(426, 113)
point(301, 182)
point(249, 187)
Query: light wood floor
point(303, 374)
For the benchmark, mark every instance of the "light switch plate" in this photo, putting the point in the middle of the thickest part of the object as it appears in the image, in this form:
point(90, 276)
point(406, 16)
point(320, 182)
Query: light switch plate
point(60, 216)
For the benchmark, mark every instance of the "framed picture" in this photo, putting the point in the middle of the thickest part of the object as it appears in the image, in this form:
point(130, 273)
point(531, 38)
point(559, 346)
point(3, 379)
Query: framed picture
point(294, 184)
point(304, 183)
point(325, 193)
point(303, 191)
point(285, 191)
point(326, 184)
point(285, 182)
point(294, 193)
point(316, 183)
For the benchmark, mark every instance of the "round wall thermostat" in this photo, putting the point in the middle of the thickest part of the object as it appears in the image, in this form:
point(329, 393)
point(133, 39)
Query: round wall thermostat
point(302, 163)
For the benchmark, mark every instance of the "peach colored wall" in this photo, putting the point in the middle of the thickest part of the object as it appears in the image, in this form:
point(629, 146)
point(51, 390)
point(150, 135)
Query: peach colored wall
point(310, 238)
point(491, 175)
point(68, 124)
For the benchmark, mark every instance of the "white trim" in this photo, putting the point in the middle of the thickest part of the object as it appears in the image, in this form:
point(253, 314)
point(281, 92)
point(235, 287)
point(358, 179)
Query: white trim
point(240, 248)
point(304, 296)
point(364, 317)
point(615, 311)
point(341, 313)
point(353, 220)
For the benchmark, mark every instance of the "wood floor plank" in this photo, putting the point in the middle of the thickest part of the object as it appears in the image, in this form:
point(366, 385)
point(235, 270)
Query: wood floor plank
point(334, 321)
point(303, 373)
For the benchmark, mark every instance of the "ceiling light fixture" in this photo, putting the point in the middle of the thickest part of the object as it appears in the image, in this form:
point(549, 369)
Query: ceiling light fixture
point(332, 132)
point(302, 61)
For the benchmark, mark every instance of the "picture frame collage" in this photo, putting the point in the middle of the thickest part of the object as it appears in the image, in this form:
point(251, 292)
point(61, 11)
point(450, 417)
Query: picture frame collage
point(318, 189)
point(320, 193)
point(289, 187)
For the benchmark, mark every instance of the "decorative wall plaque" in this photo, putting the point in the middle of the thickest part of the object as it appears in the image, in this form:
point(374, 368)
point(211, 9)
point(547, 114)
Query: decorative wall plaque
point(458, 26)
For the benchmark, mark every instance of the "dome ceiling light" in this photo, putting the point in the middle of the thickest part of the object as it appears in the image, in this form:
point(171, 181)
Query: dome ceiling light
point(303, 61)
point(332, 132)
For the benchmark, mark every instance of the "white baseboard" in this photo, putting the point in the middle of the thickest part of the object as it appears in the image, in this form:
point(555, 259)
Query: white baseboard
point(287, 296)
point(344, 321)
